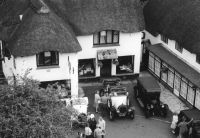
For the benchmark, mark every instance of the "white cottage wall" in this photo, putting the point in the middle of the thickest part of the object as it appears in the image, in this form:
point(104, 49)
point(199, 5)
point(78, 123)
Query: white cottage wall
point(185, 55)
point(129, 44)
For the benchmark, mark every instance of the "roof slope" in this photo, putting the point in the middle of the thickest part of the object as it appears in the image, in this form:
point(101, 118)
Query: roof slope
point(42, 32)
point(177, 19)
point(63, 20)
point(90, 16)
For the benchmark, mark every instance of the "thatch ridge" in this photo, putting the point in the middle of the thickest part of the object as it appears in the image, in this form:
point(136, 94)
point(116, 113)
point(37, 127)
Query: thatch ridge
point(177, 19)
point(42, 32)
point(90, 16)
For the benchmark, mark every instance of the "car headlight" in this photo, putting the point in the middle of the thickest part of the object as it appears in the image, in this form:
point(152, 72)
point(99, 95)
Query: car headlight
point(162, 105)
point(129, 110)
point(118, 111)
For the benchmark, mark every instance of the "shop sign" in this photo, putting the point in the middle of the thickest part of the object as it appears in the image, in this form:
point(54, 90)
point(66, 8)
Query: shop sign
point(107, 54)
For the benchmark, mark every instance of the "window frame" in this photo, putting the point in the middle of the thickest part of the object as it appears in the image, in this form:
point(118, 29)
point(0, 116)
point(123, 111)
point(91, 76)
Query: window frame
point(98, 42)
point(51, 59)
point(178, 47)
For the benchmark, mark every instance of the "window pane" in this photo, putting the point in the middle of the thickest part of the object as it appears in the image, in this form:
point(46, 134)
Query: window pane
point(164, 74)
point(47, 58)
point(109, 36)
point(183, 91)
point(151, 63)
point(177, 82)
point(115, 36)
point(170, 77)
point(190, 95)
point(40, 59)
point(54, 58)
point(103, 39)
point(96, 38)
point(197, 99)
point(157, 67)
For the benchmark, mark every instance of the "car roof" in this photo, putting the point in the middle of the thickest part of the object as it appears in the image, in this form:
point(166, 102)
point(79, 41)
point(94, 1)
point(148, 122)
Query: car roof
point(149, 83)
point(191, 113)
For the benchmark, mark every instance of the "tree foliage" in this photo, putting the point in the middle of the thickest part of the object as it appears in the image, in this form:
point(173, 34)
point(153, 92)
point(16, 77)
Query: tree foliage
point(27, 111)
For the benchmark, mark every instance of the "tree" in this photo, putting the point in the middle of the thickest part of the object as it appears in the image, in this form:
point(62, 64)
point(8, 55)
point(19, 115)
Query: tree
point(27, 111)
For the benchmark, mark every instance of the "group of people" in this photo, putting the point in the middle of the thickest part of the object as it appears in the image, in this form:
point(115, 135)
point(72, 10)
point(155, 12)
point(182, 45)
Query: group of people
point(95, 128)
point(100, 100)
point(181, 126)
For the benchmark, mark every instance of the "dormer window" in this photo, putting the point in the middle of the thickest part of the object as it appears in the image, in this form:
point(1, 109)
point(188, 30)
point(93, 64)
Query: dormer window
point(164, 39)
point(198, 58)
point(106, 37)
point(178, 47)
point(48, 58)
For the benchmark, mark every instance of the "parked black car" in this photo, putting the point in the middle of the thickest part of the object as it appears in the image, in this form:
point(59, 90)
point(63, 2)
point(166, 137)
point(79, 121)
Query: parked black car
point(147, 92)
point(195, 124)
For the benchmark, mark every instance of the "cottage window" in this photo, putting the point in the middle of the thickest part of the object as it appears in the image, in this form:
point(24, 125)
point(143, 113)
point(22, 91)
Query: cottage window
point(184, 85)
point(197, 98)
point(178, 47)
point(106, 37)
point(198, 58)
point(47, 58)
point(164, 39)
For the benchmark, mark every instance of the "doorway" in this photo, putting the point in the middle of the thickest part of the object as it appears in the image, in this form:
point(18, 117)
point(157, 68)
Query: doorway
point(106, 68)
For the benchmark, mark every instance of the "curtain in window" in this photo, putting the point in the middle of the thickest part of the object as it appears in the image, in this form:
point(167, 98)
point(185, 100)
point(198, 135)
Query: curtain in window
point(177, 83)
point(183, 91)
point(164, 74)
point(157, 66)
point(96, 38)
point(190, 95)
point(115, 36)
point(170, 77)
point(197, 99)
point(151, 62)
point(109, 36)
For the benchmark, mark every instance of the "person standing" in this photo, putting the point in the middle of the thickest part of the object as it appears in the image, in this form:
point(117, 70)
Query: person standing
point(183, 127)
point(97, 100)
point(97, 132)
point(174, 122)
point(88, 131)
point(102, 125)
point(92, 123)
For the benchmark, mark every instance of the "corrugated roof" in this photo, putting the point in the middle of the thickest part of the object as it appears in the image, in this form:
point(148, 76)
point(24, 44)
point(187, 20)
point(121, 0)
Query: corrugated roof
point(176, 63)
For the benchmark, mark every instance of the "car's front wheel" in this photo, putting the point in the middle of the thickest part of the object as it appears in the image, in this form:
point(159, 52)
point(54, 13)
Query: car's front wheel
point(132, 115)
point(111, 115)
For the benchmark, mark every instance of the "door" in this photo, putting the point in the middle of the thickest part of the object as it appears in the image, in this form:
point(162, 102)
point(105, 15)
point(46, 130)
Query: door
point(106, 68)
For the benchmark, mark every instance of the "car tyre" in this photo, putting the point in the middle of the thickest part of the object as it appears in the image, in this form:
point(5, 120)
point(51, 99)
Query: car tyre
point(111, 116)
point(132, 116)
point(147, 113)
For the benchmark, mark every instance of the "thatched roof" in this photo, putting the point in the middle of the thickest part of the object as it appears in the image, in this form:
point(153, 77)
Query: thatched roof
point(89, 16)
point(53, 24)
point(45, 32)
point(177, 19)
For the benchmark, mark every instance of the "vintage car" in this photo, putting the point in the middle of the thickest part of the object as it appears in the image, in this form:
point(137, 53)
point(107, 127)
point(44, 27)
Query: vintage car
point(195, 124)
point(80, 105)
point(147, 93)
point(118, 104)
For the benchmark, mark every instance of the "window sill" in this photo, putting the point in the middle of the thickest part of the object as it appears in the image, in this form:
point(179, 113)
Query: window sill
point(105, 45)
point(48, 67)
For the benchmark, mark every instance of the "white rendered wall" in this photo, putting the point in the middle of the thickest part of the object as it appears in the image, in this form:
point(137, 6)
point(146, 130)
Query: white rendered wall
point(60, 72)
point(186, 56)
point(129, 44)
